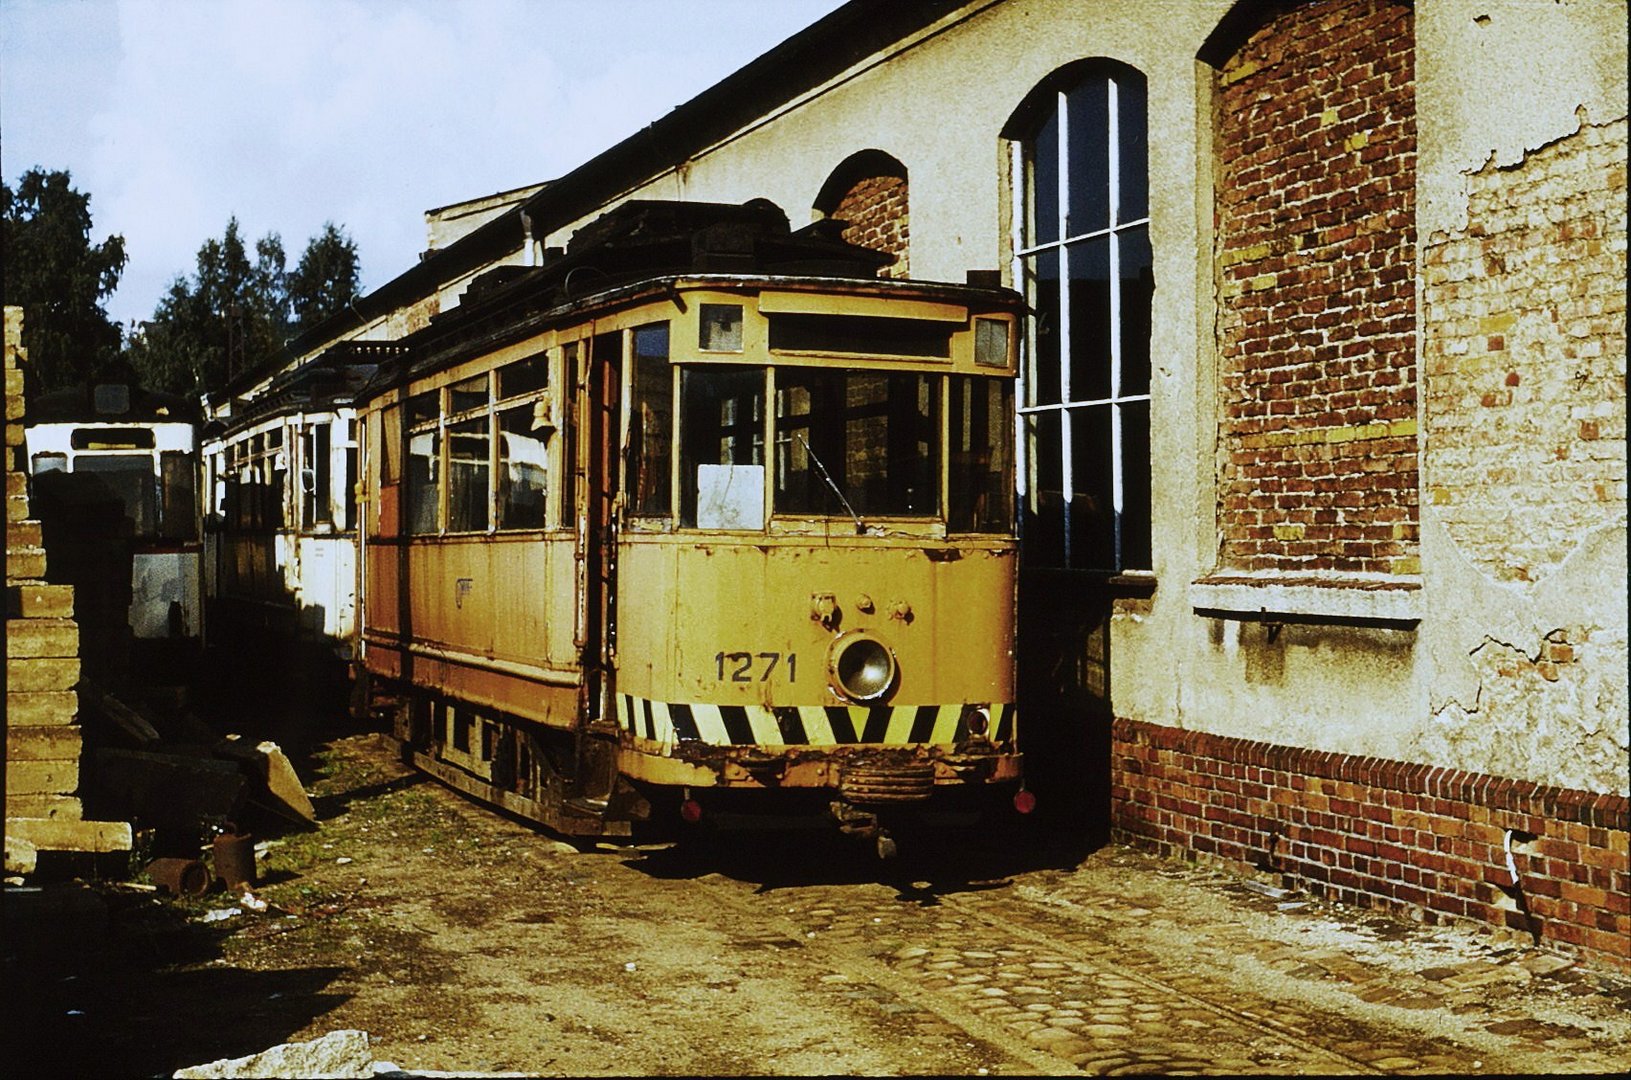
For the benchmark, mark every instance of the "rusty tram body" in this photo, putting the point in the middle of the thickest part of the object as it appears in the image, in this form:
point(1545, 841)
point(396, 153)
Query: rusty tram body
point(700, 521)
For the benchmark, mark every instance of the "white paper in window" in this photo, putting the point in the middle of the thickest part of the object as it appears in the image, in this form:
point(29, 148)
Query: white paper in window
point(730, 496)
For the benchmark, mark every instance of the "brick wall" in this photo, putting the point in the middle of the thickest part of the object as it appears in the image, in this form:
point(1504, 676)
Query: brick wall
point(1316, 145)
point(1415, 839)
point(876, 209)
point(1524, 321)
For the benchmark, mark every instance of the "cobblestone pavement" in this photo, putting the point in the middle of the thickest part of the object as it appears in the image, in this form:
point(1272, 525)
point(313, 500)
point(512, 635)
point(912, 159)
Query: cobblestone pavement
point(1131, 964)
point(460, 939)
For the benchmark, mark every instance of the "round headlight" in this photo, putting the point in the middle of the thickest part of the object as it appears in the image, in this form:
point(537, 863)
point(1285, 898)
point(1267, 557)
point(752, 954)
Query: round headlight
point(862, 667)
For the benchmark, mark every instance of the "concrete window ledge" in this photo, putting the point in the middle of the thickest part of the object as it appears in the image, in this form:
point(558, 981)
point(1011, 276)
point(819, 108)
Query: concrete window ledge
point(1395, 599)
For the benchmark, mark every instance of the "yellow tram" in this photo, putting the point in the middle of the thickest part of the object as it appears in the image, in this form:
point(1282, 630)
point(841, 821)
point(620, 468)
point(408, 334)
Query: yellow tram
point(702, 521)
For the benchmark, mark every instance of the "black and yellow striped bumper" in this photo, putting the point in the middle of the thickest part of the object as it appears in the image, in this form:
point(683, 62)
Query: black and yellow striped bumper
point(812, 726)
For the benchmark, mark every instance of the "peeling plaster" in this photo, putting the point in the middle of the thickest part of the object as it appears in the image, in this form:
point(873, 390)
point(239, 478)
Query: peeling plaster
point(1499, 79)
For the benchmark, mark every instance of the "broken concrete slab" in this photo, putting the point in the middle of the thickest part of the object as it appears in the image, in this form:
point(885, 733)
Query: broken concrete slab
point(168, 789)
point(278, 787)
point(342, 1054)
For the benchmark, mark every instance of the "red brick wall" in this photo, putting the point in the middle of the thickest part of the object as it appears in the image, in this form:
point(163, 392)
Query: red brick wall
point(1414, 839)
point(1316, 145)
point(1524, 345)
point(875, 207)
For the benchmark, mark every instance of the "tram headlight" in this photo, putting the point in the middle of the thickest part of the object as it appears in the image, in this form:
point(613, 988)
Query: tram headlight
point(861, 667)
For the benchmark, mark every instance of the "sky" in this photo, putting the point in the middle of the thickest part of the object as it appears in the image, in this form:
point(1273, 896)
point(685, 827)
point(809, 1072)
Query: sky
point(176, 115)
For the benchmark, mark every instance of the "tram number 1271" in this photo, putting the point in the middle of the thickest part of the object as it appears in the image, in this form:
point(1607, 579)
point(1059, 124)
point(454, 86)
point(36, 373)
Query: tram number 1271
point(741, 665)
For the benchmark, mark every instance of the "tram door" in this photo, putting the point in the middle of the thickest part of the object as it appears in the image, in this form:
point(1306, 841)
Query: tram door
point(597, 743)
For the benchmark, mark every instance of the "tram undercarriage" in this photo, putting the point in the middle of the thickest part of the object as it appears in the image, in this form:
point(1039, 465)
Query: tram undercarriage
point(596, 782)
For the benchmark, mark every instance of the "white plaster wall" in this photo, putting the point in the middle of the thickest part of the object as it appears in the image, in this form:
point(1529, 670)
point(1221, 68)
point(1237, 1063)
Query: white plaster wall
point(1498, 80)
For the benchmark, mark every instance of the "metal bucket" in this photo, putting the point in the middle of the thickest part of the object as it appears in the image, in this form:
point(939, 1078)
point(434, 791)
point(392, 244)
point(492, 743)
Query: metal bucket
point(235, 860)
point(184, 877)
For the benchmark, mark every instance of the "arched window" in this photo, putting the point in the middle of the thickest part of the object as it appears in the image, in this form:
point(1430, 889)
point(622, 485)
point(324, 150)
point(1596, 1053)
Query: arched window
point(1082, 255)
point(869, 191)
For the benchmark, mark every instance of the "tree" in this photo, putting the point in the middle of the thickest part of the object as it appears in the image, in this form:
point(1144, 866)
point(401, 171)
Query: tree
point(234, 314)
point(327, 278)
point(59, 277)
point(231, 317)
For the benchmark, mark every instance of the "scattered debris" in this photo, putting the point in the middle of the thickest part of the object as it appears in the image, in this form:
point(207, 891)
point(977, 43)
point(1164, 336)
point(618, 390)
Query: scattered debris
point(21, 856)
point(181, 877)
point(220, 915)
point(252, 902)
point(1269, 891)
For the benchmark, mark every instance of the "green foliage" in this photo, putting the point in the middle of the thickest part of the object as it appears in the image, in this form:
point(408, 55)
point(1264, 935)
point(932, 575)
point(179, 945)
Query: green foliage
point(231, 317)
point(327, 279)
point(59, 277)
point(235, 315)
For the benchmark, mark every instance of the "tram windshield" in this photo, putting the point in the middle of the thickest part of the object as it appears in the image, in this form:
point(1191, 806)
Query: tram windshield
point(847, 443)
point(870, 439)
point(130, 477)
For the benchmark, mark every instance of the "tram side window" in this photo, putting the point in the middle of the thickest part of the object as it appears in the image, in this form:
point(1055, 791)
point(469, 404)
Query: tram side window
point(525, 417)
point(469, 456)
point(422, 469)
point(981, 481)
point(469, 462)
point(316, 501)
point(178, 486)
point(722, 449)
point(871, 436)
point(651, 423)
point(568, 406)
point(348, 495)
point(523, 469)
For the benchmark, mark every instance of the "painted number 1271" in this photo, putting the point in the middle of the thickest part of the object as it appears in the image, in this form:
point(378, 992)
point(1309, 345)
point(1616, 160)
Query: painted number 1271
point(742, 666)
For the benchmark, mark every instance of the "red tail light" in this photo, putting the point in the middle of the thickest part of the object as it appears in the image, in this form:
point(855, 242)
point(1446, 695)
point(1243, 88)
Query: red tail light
point(1024, 802)
point(691, 811)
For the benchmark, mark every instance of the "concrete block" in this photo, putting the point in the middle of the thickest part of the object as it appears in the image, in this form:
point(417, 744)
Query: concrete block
point(59, 835)
point(38, 600)
point(25, 676)
point(34, 709)
point(57, 638)
point(45, 807)
point(23, 534)
point(42, 777)
point(58, 742)
point(24, 562)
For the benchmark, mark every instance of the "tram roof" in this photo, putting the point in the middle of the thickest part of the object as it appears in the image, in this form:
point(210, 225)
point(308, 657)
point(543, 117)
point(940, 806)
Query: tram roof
point(802, 62)
point(110, 400)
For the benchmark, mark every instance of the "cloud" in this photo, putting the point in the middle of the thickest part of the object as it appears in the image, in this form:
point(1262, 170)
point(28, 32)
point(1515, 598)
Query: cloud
point(362, 112)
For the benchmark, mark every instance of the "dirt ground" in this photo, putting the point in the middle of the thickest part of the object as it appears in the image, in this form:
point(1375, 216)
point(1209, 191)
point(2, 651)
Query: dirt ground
point(461, 940)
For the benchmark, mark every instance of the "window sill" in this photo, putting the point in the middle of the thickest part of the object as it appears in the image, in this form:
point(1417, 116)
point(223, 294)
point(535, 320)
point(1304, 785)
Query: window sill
point(1139, 584)
point(1315, 597)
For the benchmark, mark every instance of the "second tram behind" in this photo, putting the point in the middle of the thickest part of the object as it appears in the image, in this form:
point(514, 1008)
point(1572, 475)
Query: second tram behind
point(729, 547)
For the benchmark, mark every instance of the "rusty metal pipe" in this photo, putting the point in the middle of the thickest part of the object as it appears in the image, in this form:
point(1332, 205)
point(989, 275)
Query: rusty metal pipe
point(183, 877)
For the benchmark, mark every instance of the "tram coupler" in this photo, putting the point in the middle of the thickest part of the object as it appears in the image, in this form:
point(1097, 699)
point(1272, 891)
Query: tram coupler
point(864, 825)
